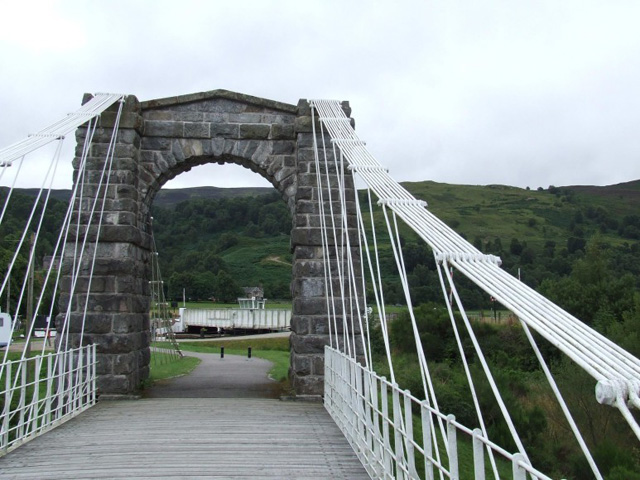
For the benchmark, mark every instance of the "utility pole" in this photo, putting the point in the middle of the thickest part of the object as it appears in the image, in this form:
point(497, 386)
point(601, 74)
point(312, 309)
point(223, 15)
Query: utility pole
point(29, 319)
point(7, 165)
point(8, 293)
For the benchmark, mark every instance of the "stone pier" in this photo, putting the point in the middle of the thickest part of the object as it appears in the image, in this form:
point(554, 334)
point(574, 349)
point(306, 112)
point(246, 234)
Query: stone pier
point(158, 140)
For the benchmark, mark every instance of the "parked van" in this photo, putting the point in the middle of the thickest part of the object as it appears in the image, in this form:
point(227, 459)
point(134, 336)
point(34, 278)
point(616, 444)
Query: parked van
point(5, 329)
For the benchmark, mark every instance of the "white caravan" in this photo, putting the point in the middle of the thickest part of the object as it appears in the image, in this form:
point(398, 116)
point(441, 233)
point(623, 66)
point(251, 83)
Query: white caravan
point(5, 329)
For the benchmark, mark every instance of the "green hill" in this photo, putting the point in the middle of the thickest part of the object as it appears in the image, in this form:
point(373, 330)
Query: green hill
point(539, 216)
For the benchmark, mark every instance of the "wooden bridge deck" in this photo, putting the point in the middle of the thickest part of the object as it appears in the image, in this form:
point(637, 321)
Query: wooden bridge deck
point(190, 438)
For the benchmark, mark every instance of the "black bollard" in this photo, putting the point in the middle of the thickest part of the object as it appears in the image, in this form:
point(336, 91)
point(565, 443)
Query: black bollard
point(221, 352)
point(249, 352)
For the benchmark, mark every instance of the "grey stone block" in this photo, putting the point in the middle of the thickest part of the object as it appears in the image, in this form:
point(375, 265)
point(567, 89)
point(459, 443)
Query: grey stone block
point(283, 147)
point(301, 364)
point(308, 384)
point(114, 384)
point(308, 287)
point(282, 132)
point(197, 130)
point(226, 130)
point(163, 129)
point(125, 363)
point(254, 131)
point(307, 344)
point(300, 325)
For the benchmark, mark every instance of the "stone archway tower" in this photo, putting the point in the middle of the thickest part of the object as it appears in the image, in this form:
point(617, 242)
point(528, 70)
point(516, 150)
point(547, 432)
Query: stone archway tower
point(158, 140)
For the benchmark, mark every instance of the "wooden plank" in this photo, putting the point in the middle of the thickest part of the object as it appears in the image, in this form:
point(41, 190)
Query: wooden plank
point(190, 438)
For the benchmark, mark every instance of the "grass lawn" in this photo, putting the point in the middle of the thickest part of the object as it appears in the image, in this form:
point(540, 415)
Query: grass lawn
point(163, 366)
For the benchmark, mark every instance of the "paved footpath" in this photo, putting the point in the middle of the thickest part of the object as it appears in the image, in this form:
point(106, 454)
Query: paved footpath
point(230, 377)
point(175, 434)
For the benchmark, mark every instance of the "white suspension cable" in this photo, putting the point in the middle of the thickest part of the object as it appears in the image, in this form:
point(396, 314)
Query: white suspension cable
point(562, 403)
point(361, 244)
point(80, 254)
point(326, 265)
point(348, 336)
point(108, 166)
point(93, 108)
point(347, 254)
point(381, 306)
point(31, 257)
point(485, 367)
point(13, 185)
point(50, 176)
point(606, 362)
point(427, 382)
point(467, 371)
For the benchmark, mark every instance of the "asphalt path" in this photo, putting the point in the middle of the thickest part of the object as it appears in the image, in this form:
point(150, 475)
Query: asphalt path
point(233, 376)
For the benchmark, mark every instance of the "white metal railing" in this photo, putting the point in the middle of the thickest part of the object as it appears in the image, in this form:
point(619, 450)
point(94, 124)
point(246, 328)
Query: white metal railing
point(378, 419)
point(44, 391)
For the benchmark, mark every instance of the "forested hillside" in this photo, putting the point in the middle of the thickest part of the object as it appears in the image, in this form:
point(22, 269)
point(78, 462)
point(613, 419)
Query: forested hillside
point(212, 240)
point(212, 247)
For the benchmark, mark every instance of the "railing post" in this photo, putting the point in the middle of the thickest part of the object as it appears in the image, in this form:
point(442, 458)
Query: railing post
point(519, 473)
point(80, 377)
point(426, 440)
point(408, 422)
point(397, 432)
point(478, 455)
point(368, 427)
point(361, 406)
point(21, 404)
point(378, 446)
point(453, 447)
point(386, 448)
point(353, 399)
point(94, 363)
point(61, 359)
point(69, 383)
point(344, 393)
point(35, 399)
point(327, 379)
point(6, 410)
point(47, 403)
point(349, 396)
point(337, 387)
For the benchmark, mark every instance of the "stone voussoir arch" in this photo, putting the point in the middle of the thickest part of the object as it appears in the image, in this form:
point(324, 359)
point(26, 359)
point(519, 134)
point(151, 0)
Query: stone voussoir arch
point(158, 140)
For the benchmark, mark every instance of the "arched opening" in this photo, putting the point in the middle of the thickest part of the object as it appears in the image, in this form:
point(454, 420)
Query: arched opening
point(216, 245)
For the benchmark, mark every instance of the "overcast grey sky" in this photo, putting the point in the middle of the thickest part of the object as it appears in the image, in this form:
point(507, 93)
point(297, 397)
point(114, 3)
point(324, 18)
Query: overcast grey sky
point(525, 93)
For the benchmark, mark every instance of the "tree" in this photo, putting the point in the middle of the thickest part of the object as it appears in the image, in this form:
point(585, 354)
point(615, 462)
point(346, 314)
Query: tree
point(515, 247)
point(270, 225)
point(226, 241)
point(179, 283)
point(203, 285)
point(226, 289)
point(592, 290)
point(213, 263)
